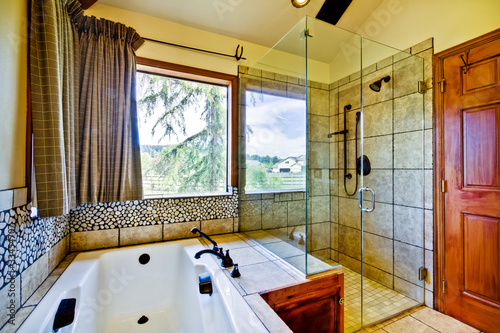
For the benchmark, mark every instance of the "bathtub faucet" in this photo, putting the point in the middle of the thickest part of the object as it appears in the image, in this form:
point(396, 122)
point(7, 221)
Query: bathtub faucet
point(202, 234)
point(226, 259)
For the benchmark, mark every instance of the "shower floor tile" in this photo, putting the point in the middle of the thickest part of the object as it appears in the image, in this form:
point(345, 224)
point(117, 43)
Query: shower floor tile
point(379, 301)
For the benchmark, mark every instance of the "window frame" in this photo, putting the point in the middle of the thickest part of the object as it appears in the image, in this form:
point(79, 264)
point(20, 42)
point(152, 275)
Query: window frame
point(183, 72)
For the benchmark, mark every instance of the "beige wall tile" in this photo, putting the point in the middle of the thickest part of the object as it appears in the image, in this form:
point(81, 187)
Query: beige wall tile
point(350, 94)
point(320, 128)
point(296, 213)
point(321, 236)
point(415, 292)
point(408, 113)
point(378, 252)
point(407, 261)
point(274, 214)
point(57, 253)
point(320, 182)
point(320, 209)
point(21, 316)
point(334, 101)
point(349, 213)
point(334, 182)
point(215, 227)
point(349, 243)
point(20, 197)
point(378, 275)
point(182, 230)
point(379, 151)
point(320, 104)
point(409, 225)
point(319, 155)
point(422, 46)
point(41, 290)
point(377, 119)
point(92, 240)
point(380, 220)
point(334, 209)
point(408, 188)
point(15, 294)
point(407, 73)
point(140, 235)
point(429, 229)
point(250, 215)
point(334, 236)
point(33, 277)
point(408, 150)
point(381, 181)
point(350, 262)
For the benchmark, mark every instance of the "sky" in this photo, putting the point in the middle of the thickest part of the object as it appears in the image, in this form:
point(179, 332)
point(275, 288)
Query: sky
point(193, 125)
point(278, 125)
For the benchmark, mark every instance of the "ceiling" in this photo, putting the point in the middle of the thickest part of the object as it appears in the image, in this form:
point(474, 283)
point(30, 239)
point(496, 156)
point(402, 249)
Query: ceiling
point(261, 22)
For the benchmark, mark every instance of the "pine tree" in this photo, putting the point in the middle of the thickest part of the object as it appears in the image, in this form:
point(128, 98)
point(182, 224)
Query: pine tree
point(197, 164)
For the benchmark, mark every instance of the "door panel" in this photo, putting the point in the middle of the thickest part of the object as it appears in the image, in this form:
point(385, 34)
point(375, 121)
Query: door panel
point(480, 149)
point(481, 256)
point(471, 121)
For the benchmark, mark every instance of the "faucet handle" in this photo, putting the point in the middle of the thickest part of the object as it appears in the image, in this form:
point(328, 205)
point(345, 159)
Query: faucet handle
point(227, 261)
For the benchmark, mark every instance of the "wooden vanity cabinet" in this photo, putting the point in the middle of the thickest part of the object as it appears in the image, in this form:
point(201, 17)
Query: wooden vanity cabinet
point(312, 306)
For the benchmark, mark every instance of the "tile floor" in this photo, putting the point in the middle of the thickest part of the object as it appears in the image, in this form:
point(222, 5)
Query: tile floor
point(421, 320)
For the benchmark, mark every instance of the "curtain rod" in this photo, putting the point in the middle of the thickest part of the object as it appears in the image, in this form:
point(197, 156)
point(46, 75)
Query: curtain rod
point(238, 55)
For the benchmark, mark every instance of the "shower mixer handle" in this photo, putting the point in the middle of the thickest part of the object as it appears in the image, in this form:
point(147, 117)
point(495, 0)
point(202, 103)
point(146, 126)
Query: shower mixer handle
point(360, 199)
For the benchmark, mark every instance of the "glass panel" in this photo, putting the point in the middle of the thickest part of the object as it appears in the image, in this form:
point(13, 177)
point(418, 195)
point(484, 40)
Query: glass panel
point(334, 231)
point(273, 149)
point(392, 148)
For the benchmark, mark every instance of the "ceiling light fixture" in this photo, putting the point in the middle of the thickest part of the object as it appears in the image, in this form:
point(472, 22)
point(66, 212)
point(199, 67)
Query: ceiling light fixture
point(300, 3)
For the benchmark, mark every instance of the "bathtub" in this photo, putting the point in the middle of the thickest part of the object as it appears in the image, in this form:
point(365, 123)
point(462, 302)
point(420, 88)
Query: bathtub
point(115, 292)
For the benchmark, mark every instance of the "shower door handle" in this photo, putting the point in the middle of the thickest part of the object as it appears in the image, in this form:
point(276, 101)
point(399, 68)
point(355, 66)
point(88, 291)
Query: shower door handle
point(360, 201)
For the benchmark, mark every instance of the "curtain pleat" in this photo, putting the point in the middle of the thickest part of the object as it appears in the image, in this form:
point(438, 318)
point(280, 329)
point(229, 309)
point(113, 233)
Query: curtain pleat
point(54, 67)
point(110, 168)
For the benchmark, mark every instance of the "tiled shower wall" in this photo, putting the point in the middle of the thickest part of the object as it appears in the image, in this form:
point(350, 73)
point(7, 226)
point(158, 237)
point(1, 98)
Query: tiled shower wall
point(399, 233)
point(398, 142)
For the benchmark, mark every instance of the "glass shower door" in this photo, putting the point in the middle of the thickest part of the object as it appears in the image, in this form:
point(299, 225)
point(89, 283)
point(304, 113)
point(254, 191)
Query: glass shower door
point(390, 165)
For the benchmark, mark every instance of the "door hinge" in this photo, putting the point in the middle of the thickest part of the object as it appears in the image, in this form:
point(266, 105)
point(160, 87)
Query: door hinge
point(444, 286)
point(309, 32)
point(444, 186)
point(341, 301)
point(422, 273)
point(441, 85)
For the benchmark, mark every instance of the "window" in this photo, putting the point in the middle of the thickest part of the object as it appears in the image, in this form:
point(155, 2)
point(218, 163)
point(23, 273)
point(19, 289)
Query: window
point(275, 143)
point(184, 129)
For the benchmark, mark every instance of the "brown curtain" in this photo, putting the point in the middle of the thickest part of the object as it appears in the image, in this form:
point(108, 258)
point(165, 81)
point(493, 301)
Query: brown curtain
point(84, 114)
point(110, 168)
point(54, 54)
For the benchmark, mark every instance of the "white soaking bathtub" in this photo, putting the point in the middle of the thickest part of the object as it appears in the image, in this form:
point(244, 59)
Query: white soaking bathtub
point(116, 293)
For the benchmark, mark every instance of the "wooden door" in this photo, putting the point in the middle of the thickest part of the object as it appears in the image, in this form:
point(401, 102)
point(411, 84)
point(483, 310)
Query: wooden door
point(471, 168)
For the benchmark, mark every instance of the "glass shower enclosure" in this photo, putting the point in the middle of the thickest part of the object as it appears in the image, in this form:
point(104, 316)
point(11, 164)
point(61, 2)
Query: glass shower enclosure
point(331, 164)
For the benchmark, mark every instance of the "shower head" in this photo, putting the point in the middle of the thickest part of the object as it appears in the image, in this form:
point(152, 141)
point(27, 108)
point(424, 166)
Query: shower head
point(375, 86)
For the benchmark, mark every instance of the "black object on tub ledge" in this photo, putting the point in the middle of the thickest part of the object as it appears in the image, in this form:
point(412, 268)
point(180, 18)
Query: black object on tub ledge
point(205, 283)
point(65, 314)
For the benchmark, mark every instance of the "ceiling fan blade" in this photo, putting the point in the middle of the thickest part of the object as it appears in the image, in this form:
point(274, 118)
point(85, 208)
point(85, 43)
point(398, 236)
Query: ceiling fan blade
point(332, 10)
